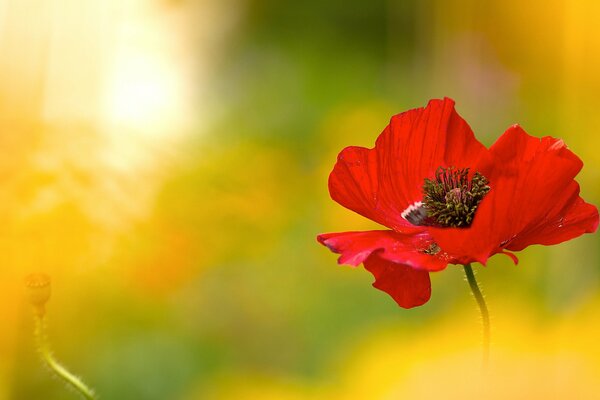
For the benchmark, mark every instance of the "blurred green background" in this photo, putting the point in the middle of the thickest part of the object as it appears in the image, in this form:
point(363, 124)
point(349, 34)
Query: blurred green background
point(166, 163)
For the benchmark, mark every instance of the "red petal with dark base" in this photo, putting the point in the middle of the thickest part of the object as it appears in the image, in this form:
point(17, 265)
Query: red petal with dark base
point(380, 183)
point(409, 287)
point(355, 247)
point(533, 200)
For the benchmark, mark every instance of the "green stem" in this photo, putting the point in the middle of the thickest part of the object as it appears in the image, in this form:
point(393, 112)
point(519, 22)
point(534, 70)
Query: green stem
point(62, 372)
point(485, 315)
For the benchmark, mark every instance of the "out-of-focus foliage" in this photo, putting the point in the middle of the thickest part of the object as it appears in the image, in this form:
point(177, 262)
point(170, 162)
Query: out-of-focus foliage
point(166, 163)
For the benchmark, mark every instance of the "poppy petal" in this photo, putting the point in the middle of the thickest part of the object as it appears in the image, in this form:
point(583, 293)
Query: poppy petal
point(532, 194)
point(510, 255)
point(576, 219)
point(356, 247)
point(382, 182)
point(409, 287)
point(354, 183)
point(544, 206)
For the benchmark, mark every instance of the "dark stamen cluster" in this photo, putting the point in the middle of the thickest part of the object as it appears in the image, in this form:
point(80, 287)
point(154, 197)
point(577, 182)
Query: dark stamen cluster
point(451, 199)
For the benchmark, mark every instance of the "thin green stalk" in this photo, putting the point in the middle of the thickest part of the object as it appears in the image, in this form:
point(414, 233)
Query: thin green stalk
point(485, 315)
point(46, 354)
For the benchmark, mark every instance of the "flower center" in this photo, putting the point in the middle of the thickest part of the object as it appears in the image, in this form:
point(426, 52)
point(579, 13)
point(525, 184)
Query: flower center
point(451, 199)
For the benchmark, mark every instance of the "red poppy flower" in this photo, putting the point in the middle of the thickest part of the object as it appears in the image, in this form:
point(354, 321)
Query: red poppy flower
point(447, 199)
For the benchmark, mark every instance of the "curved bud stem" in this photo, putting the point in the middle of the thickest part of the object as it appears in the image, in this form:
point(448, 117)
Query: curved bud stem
point(46, 354)
point(38, 290)
point(485, 315)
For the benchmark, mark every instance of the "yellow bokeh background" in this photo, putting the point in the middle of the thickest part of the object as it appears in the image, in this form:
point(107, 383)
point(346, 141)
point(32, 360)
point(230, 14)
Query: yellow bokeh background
point(166, 163)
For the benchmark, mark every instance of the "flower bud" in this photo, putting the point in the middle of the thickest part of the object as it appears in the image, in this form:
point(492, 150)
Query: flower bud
point(37, 290)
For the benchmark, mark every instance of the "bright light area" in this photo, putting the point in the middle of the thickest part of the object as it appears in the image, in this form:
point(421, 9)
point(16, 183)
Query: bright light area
point(147, 89)
point(145, 94)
